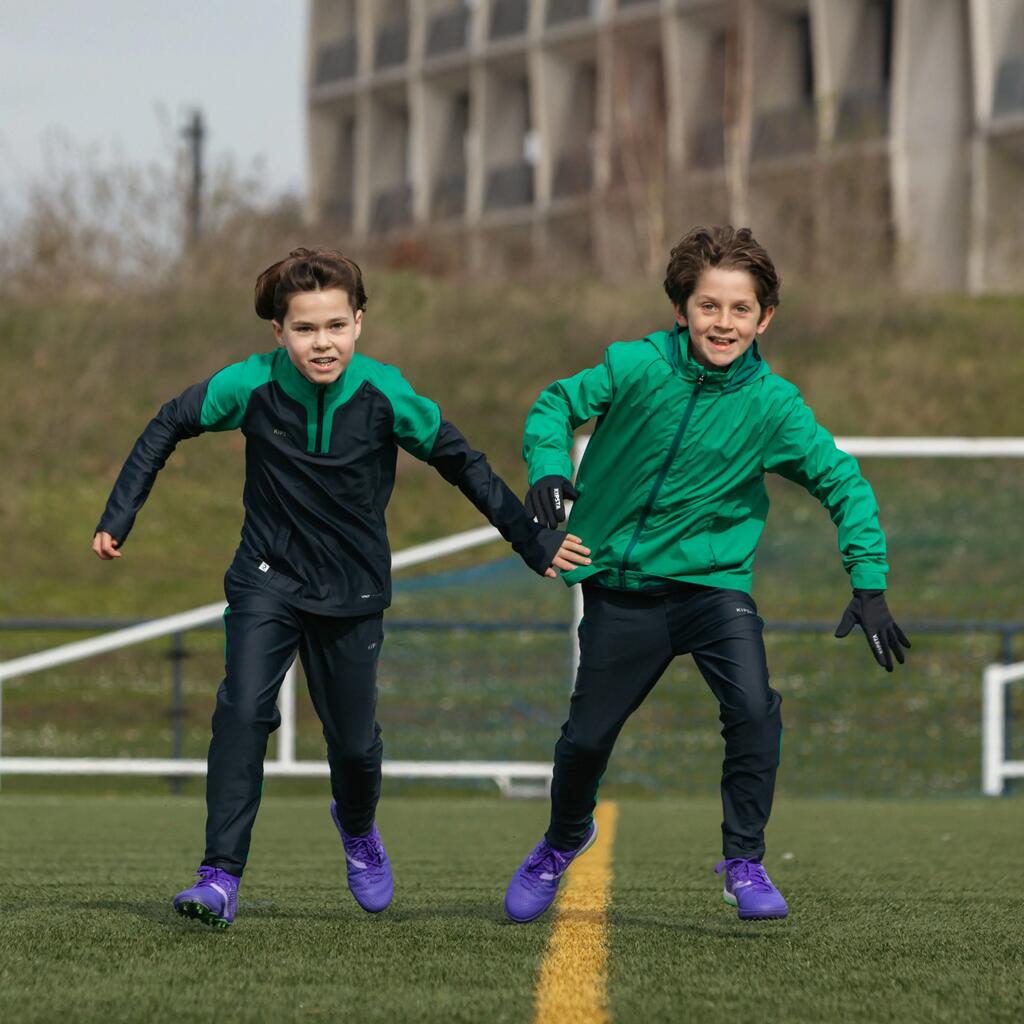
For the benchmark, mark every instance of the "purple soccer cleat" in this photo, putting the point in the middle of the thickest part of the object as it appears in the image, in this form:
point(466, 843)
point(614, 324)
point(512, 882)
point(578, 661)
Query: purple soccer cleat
point(212, 900)
point(749, 889)
point(369, 870)
point(535, 884)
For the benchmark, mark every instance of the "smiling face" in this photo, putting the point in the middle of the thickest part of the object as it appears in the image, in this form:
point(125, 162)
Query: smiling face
point(724, 316)
point(319, 333)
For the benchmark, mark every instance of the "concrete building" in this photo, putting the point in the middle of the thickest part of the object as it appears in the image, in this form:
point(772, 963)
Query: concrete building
point(867, 135)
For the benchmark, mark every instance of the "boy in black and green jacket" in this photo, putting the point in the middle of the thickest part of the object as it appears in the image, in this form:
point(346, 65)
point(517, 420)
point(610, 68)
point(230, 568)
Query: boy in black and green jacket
point(312, 573)
point(670, 498)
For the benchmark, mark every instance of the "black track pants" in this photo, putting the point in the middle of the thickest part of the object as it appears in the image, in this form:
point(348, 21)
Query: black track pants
point(339, 655)
point(626, 643)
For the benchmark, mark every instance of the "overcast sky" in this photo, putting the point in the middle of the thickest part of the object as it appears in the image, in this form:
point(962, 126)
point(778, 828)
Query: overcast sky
point(100, 69)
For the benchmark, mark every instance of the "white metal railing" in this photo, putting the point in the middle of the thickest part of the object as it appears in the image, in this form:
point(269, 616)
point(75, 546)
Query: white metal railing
point(996, 767)
point(934, 447)
point(508, 775)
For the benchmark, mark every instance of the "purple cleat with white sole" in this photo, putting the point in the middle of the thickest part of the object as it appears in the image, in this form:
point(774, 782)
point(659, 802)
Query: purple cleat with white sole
point(749, 889)
point(212, 900)
point(535, 884)
point(369, 870)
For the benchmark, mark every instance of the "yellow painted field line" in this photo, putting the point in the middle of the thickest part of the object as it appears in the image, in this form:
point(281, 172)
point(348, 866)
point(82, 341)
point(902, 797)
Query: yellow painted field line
point(573, 983)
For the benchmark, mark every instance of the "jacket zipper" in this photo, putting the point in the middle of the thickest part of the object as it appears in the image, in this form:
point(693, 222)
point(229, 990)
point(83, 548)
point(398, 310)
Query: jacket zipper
point(319, 419)
point(660, 480)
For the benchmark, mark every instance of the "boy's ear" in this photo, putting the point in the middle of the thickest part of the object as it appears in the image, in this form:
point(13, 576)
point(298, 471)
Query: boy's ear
point(766, 317)
point(278, 331)
point(680, 315)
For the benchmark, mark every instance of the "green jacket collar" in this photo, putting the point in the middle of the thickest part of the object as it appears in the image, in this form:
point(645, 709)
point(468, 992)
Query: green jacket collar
point(674, 345)
point(298, 386)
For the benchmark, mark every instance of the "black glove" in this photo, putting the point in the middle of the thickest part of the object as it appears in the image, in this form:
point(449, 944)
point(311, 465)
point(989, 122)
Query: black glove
point(869, 610)
point(545, 500)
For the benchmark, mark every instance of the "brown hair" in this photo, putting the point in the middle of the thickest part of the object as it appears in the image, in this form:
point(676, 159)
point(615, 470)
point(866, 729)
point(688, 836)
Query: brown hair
point(723, 246)
point(307, 270)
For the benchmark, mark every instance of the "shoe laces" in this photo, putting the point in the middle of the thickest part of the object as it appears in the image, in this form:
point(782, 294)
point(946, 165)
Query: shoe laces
point(208, 874)
point(367, 849)
point(752, 871)
point(546, 863)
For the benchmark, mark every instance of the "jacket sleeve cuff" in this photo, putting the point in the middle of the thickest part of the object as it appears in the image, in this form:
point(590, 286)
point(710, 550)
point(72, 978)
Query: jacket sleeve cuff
point(117, 526)
point(539, 549)
point(865, 577)
point(551, 466)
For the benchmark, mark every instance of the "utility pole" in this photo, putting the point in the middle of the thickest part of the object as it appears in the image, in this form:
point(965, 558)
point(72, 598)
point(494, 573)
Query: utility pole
point(194, 134)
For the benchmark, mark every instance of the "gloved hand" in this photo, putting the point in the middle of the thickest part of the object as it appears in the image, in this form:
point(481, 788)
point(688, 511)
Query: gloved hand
point(869, 610)
point(545, 500)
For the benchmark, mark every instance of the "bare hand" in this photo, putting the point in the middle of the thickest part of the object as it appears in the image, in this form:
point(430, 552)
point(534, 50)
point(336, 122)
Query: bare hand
point(570, 555)
point(105, 546)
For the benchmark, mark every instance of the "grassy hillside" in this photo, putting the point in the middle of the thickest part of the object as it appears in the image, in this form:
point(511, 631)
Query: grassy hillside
point(82, 378)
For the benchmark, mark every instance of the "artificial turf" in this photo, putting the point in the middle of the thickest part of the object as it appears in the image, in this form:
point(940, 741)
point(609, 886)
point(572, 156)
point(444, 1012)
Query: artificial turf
point(902, 911)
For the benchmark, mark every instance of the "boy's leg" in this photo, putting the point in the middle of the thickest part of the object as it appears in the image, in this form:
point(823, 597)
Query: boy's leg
point(261, 637)
point(725, 635)
point(340, 658)
point(624, 649)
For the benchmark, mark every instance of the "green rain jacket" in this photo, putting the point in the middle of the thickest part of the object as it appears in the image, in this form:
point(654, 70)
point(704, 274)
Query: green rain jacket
point(671, 486)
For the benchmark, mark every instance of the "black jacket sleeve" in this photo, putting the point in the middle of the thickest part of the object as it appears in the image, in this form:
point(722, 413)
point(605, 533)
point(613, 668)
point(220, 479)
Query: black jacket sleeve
point(177, 419)
point(470, 471)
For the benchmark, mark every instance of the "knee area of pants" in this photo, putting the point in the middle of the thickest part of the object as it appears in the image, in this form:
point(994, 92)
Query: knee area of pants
point(247, 715)
point(592, 747)
point(761, 716)
point(753, 712)
point(348, 756)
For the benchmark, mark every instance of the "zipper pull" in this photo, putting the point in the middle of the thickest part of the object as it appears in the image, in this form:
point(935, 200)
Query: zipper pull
point(700, 380)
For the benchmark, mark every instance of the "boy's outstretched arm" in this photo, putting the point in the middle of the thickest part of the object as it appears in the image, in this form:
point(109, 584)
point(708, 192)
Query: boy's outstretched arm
point(420, 429)
point(547, 438)
point(214, 404)
point(805, 452)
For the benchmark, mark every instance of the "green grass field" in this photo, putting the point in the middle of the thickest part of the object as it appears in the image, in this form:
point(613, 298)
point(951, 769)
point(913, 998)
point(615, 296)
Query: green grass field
point(900, 911)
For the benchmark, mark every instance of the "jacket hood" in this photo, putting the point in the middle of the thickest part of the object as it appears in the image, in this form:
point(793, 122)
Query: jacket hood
point(674, 346)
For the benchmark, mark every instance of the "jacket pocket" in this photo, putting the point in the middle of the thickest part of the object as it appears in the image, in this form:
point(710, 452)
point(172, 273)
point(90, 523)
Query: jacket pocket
point(697, 554)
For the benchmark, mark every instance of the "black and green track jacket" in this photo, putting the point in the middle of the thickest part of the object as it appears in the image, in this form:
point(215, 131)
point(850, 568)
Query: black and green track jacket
point(319, 470)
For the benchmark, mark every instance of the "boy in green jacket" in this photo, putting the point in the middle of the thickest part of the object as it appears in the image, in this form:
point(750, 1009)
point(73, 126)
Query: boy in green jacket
point(670, 498)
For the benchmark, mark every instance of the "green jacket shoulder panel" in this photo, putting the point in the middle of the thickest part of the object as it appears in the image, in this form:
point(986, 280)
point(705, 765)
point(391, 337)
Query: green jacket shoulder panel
point(417, 418)
point(568, 403)
point(632, 361)
point(228, 391)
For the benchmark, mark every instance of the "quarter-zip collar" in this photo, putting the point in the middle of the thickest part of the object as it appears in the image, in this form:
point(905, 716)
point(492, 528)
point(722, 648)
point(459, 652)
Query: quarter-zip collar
point(674, 345)
point(318, 399)
point(300, 387)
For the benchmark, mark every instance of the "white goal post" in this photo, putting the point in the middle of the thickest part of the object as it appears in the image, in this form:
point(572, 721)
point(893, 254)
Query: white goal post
point(996, 766)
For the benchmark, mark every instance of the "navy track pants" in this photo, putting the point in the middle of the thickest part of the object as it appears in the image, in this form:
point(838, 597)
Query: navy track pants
point(263, 632)
point(627, 640)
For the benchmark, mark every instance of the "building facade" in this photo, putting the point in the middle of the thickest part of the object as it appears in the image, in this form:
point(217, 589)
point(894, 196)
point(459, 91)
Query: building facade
point(876, 135)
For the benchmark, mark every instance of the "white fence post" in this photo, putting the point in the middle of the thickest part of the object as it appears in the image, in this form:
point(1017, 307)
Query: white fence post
point(993, 734)
point(996, 764)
